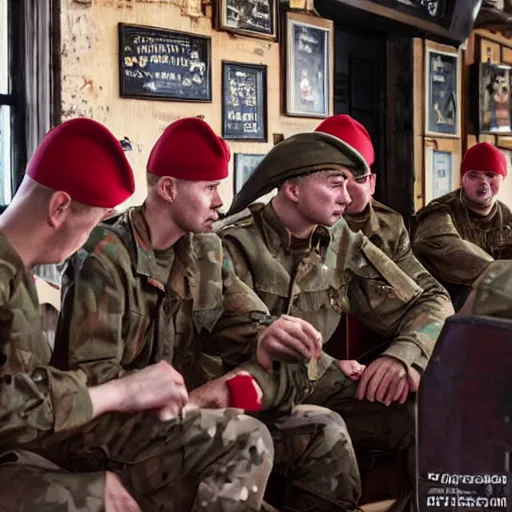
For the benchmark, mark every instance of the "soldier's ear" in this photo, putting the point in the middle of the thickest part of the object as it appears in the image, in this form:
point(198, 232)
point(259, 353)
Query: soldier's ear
point(290, 189)
point(59, 208)
point(167, 188)
point(373, 182)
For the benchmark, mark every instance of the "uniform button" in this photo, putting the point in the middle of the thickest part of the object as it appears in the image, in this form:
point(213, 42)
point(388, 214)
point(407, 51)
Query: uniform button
point(37, 377)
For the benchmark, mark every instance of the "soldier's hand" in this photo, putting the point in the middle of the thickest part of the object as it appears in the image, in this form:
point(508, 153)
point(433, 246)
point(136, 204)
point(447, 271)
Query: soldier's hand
point(414, 379)
point(158, 387)
point(117, 498)
point(352, 369)
point(288, 340)
point(385, 380)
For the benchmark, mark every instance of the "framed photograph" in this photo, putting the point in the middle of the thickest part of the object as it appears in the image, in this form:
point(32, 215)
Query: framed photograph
point(156, 63)
point(439, 177)
point(253, 18)
point(244, 101)
point(245, 164)
point(442, 93)
point(494, 99)
point(308, 66)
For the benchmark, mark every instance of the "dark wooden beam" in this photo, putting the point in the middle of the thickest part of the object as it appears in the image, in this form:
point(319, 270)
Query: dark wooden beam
point(398, 16)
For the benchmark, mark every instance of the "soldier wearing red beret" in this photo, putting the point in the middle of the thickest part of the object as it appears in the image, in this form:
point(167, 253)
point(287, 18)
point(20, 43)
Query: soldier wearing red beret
point(155, 286)
point(76, 176)
point(459, 234)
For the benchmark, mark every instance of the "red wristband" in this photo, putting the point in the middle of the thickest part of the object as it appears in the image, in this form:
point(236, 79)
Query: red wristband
point(244, 393)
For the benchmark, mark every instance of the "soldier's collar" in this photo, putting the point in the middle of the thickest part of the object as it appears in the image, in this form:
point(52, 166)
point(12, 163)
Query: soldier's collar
point(366, 217)
point(145, 263)
point(277, 235)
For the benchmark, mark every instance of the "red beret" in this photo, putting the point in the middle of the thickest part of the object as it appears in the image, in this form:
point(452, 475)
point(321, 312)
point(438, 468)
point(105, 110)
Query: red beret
point(484, 157)
point(189, 149)
point(351, 132)
point(81, 157)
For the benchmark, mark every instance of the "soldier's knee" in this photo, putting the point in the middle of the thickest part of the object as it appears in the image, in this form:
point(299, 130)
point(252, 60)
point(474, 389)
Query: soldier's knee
point(321, 416)
point(259, 439)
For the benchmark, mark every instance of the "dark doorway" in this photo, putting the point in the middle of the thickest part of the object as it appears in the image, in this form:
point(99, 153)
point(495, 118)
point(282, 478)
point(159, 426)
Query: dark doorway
point(360, 90)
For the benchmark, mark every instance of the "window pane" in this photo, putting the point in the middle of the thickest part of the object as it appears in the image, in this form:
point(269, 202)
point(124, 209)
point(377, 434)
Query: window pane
point(5, 154)
point(4, 55)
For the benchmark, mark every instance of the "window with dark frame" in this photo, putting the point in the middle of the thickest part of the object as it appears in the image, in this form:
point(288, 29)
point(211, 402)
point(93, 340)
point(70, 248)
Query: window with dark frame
point(11, 104)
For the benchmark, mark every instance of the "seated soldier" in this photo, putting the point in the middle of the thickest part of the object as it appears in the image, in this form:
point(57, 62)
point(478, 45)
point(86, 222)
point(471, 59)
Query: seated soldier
point(76, 176)
point(383, 226)
point(458, 235)
point(155, 285)
point(60, 200)
point(300, 257)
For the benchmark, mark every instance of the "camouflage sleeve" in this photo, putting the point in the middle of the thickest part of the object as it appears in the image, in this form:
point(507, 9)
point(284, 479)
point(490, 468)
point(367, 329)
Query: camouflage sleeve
point(90, 324)
point(35, 398)
point(235, 335)
point(42, 402)
point(438, 245)
point(434, 298)
point(277, 386)
point(394, 304)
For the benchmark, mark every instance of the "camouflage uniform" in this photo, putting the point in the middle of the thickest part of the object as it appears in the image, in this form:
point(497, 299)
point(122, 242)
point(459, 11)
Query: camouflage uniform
point(35, 402)
point(39, 405)
point(338, 271)
point(385, 228)
point(456, 244)
point(126, 306)
point(492, 292)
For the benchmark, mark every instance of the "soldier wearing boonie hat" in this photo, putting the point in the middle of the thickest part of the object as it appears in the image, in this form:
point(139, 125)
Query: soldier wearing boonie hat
point(155, 286)
point(301, 258)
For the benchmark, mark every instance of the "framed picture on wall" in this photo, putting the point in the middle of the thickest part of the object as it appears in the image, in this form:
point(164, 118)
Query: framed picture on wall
point(253, 18)
point(164, 64)
point(439, 178)
point(442, 86)
point(244, 166)
point(244, 101)
point(494, 106)
point(308, 65)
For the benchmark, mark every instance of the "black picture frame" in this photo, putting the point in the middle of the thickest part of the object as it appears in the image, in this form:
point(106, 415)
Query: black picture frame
point(494, 102)
point(252, 19)
point(442, 86)
point(245, 164)
point(244, 101)
point(308, 64)
point(162, 64)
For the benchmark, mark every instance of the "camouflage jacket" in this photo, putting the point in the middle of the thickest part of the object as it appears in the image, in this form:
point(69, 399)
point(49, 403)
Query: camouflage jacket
point(385, 228)
point(126, 306)
point(36, 399)
point(339, 271)
point(455, 244)
point(492, 292)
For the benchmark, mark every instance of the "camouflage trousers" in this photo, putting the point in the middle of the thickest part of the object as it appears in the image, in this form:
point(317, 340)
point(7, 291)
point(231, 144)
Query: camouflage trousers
point(313, 452)
point(208, 460)
point(373, 427)
point(31, 483)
